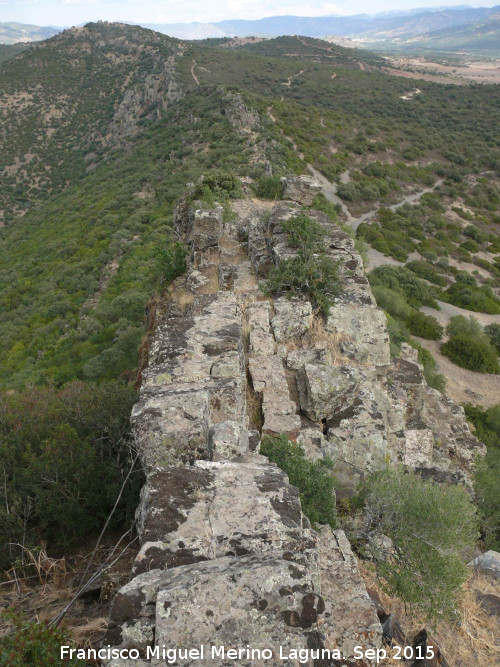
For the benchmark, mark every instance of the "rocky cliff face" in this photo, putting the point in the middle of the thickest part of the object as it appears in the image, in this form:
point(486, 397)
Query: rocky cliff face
point(227, 557)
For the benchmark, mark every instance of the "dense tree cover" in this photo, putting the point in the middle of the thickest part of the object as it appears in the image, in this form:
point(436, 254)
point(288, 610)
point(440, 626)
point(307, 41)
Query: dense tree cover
point(77, 272)
point(64, 456)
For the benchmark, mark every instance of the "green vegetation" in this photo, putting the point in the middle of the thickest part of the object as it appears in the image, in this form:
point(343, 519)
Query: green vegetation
point(65, 454)
point(486, 486)
point(312, 478)
point(220, 184)
point(433, 529)
point(311, 272)
point(77, 272)
point(470, 347)
point(465, 293)
point(424, 326)
point(268, 187)
point(172, 260)
point(30, 643)
point(399, 279)
point(321, 203)
point(493, 333)
point(471, 353)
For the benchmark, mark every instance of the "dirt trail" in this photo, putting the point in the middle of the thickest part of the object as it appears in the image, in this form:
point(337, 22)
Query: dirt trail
point(193, 74)
point(464, 386)
point(409, 95)
point(330, 192)
point(293, 76)
point(448, 311)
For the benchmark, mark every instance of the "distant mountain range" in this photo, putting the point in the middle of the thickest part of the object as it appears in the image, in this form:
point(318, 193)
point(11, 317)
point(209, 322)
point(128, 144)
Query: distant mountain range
point(386, 25)
point(440, 28)
point(12, 33)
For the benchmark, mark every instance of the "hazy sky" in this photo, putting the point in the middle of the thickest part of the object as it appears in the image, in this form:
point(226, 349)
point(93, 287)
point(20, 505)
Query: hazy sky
point(74, 12)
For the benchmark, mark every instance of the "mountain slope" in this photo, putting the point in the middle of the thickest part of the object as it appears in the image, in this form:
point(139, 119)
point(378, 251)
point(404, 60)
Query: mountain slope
point(66, 101)
point(482, 37)
point(124, 118)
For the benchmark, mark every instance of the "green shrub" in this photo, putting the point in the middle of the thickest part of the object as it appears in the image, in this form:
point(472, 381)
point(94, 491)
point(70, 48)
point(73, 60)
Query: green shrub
point(321, 203)
point(304, 232)
point(475, 233)
point(172, 260)
point(29, 644)
point(427, 271)
point(424, 326)
point(222, 184)
point(392, 301)
point(416, 291)
point(312, 478)
point(311, 272)
point(63, 455)
point(465, 293)
point(487, 471)
point(433, 528)
point(268, 187)
point(493, 333)
point(306, 275)
point(459, 324)
point(433, 379)
point(475, 354)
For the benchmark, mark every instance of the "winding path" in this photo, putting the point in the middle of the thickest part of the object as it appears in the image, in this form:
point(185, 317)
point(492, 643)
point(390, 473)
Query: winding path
point(330, 192)
point(193, 74)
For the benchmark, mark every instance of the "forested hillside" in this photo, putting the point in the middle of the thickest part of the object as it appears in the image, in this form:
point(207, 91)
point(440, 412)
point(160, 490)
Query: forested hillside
point(106, 128)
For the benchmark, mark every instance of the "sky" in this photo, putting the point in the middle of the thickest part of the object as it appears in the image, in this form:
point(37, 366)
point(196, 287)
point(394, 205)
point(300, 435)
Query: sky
point(75, 12)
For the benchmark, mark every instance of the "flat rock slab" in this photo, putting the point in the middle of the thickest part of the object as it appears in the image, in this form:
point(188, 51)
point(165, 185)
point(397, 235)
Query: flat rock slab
point(263, 602)
point(268, 374)
point(189, 514)
point(365, 331)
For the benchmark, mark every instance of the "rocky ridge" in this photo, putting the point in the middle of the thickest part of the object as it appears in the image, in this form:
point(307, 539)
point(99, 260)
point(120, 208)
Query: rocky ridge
point(227, 557)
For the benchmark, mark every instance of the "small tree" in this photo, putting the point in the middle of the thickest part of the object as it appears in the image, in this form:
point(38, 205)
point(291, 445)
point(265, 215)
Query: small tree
point(172, 260)
point(433, 529)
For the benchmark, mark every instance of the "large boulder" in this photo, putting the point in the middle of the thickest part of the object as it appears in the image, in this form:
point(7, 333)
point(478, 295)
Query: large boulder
point(326, 390)
point(301, 189)
point(488, 562)
point(363, 332)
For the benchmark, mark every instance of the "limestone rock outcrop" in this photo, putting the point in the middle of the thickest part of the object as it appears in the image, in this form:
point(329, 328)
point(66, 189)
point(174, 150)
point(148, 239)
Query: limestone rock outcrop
point(227, 557)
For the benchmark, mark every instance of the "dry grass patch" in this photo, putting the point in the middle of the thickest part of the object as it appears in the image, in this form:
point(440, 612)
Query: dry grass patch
point(474, 640)
point(317, 336)
point(181, 297)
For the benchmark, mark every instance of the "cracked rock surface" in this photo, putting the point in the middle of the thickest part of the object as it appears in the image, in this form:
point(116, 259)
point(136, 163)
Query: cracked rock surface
point(227, 557)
